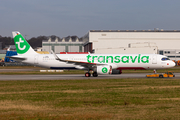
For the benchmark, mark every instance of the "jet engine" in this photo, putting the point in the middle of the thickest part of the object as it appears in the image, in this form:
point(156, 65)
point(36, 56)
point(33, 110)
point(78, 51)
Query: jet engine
point(106, 69)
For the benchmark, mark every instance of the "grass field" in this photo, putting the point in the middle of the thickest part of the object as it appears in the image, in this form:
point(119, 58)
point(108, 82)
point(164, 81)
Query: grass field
point(153, 99)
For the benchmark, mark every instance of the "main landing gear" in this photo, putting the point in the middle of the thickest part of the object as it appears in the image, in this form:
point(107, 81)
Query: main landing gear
point(94, 74)
point(87, 74)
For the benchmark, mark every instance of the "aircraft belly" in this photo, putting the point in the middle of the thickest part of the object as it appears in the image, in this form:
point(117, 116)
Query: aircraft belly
point(142, 66)
point(54, 64)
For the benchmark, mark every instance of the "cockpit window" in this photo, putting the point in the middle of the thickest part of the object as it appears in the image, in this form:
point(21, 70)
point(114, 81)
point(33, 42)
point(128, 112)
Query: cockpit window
point(163, 59)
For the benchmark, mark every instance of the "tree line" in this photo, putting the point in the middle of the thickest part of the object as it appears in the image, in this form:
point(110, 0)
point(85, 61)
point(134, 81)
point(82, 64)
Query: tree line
point(34, 42)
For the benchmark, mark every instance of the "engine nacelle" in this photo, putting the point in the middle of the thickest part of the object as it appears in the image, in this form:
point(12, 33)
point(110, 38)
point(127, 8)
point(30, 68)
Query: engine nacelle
point(105, 69)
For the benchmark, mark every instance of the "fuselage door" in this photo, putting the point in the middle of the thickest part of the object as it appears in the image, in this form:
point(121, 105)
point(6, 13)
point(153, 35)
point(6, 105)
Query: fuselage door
point(36, 59)
point(154, 59)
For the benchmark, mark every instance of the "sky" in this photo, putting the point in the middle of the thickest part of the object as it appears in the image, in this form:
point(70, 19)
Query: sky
point(76, 17)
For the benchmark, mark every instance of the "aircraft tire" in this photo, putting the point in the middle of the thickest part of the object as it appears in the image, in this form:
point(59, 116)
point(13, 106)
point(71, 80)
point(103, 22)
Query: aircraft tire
point(95, 74)
point(87, 74)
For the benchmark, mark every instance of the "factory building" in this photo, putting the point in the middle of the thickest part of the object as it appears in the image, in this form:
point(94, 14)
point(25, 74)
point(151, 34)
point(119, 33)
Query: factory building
point(165, 42)
point(68, 44)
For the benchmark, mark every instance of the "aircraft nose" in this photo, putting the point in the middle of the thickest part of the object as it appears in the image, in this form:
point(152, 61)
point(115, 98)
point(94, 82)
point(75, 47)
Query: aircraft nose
point(172, 64)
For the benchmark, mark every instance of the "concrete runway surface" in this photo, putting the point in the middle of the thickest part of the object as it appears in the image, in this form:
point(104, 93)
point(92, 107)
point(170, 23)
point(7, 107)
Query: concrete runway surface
point(75, 76)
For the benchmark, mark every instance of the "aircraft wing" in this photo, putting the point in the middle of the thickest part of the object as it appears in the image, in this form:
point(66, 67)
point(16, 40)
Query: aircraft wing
point(81, 63)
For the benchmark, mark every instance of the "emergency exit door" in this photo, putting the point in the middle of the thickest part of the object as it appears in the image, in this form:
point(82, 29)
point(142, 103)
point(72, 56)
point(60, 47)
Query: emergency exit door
point(154, 59)
point(36, 59)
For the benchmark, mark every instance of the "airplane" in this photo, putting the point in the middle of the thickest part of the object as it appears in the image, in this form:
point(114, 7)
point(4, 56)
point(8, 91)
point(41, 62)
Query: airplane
point(95, 64)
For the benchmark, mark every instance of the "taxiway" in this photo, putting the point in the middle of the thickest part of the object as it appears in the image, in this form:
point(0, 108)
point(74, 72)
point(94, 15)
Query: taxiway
point(73, 76)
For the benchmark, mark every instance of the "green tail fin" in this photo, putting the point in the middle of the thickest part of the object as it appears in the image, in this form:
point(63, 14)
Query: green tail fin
point(22, 46)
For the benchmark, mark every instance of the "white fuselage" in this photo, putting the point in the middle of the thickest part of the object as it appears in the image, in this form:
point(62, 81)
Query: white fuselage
point(117, 61)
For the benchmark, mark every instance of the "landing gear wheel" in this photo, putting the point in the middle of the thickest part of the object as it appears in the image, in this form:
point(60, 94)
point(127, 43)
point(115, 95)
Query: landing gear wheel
point(87, 74)
point(95, 74)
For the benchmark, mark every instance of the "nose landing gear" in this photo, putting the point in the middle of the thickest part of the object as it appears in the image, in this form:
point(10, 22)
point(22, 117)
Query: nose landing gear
point(155, 71)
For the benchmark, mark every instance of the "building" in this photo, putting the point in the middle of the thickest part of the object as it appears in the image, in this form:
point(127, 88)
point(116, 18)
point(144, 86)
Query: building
point(68, 44)
point(164, 42)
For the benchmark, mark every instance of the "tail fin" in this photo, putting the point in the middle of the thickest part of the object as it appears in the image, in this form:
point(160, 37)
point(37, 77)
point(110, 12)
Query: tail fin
point(22, 46)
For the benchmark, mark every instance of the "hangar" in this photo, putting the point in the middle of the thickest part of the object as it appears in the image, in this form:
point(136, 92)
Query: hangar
point(68, 44)
point(165, 42)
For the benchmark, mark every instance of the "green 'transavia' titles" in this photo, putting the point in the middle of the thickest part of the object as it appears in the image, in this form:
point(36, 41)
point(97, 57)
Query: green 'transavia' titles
point(117, 59)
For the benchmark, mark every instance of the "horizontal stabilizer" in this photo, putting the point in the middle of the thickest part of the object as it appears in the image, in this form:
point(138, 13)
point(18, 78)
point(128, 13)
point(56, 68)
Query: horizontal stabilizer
point(17, 58)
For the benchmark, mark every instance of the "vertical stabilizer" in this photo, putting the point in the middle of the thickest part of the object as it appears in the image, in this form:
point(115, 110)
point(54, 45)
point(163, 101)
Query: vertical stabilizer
point(22, 46)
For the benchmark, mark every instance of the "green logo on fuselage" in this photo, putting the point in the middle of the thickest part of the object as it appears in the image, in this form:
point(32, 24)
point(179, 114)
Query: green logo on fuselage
point(118, 59)
point(21, 44)
point(104, 70)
